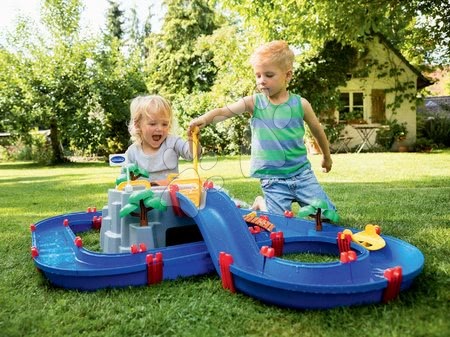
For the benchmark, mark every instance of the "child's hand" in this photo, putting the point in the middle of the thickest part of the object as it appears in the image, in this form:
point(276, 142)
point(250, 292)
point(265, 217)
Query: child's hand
point(327, 163)
point(195, 125)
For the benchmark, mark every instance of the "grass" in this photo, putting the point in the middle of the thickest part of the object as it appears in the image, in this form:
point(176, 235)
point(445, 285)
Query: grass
point(407, 194)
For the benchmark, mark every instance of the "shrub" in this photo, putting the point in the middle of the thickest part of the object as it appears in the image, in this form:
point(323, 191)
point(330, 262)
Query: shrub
point(435, 128)
point(394, 131)
point(230, 137)
point(37, 148)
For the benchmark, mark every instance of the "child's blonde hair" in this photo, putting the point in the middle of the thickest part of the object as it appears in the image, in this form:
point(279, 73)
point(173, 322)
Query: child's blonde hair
point(146, 105)
point(275, 52)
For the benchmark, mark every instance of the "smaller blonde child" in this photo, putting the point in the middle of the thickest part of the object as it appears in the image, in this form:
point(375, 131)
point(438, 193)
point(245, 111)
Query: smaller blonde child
point(154, 148)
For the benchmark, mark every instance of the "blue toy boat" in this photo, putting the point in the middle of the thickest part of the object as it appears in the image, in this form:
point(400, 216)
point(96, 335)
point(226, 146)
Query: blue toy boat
point(242, 259)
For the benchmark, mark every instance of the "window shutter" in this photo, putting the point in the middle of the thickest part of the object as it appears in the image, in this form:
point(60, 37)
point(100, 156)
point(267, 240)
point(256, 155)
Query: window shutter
point(378, 106)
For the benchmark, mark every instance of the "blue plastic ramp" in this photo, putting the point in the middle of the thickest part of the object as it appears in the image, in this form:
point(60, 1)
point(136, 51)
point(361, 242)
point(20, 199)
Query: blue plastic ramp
point(224, 230)
point(290, 283)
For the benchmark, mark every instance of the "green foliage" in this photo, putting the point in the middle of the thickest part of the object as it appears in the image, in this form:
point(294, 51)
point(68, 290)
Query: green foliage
point(436, 129)
point(423, 145)
point(316, 208)
point(234, 80)
point(133, 170)
point(228, 137)
point(308, 24)
point(40, 149)
point(318, 77)
point(173, 65)
point(62, 19)
point(50, 77)
point(392, 131)
point(146, 201)
point(119, 78)
point(78, 88)
point(114, 21)
point(36, 149)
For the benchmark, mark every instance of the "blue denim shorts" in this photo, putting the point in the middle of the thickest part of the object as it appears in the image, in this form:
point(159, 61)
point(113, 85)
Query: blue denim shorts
point(280, 193)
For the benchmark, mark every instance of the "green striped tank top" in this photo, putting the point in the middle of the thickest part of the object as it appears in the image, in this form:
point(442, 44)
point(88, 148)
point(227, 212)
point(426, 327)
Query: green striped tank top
point(278, 150)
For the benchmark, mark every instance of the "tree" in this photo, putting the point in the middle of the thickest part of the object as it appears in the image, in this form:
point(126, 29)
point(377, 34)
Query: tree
point(145, 201)
point(50, 75)
point(114, 21)
point(16, 114)
point(233, 81)
point(173, 66)
point(60, 83)
point(309, 24)
point(134, 172)
point(78, 88)
point(317, 208)
point(119, 77)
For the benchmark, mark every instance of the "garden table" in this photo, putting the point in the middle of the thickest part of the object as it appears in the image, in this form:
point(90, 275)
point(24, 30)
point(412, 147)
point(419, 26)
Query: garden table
point(365, 132)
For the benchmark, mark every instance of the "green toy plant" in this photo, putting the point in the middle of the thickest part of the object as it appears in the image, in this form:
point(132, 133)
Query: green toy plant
point(135, 172)
point(317, 208)
point(145, 201)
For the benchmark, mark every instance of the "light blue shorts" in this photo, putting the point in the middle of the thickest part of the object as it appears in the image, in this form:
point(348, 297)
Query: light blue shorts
point(280, 193)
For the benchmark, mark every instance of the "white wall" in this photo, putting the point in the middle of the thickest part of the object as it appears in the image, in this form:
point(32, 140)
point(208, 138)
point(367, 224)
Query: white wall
point(407, 110)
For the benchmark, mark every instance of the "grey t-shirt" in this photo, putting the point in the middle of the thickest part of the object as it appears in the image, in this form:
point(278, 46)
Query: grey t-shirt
point(163, 162)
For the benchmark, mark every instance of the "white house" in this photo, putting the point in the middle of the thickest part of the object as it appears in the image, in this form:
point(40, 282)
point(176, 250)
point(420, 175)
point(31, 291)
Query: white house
point(384, 87)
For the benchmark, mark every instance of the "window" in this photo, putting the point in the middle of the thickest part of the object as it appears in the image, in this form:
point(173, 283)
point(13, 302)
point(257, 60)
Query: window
point(352, 106)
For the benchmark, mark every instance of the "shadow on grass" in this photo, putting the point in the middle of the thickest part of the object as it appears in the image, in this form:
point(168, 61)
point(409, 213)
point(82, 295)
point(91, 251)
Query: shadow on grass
point(32, 165)
point(67, 179)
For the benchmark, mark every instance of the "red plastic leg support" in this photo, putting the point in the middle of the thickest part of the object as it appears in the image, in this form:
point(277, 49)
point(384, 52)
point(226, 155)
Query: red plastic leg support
point(267, 251)
point(288, 214)
point(208, 185)
point(277, 242)
point(134, 249)
point(173, 189)
point(78, 242)
point(394, 277)
point(32, 227)
point(96, 222)
point(343, 241)
point(154, 268)
point(34, 252)
point(254, 229)
point(349, 256)
point(225, 260)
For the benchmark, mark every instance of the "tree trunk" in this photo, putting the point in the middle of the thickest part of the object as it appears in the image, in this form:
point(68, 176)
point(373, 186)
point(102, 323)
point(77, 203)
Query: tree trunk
point(144, 215)
point(319, 220)
point(58, 156)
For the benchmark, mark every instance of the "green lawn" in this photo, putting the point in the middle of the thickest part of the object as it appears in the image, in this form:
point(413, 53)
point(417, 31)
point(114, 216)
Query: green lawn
point(407, 194)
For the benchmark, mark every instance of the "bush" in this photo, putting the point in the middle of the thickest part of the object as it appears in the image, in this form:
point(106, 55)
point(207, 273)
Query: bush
point(435, 128)
point(37, 149)
point(394, 131)
point(230, 137)
point(41, 151)
point(423, 145)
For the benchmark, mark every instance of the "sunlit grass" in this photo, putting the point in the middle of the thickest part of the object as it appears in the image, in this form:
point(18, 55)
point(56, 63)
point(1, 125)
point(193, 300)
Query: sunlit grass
point(407, 194)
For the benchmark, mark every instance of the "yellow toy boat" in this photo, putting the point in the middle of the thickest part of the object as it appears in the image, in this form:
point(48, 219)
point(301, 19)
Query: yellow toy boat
point(369, 238)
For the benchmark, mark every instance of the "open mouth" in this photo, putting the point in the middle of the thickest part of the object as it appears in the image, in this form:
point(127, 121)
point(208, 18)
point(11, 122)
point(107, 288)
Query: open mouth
point(156, 138)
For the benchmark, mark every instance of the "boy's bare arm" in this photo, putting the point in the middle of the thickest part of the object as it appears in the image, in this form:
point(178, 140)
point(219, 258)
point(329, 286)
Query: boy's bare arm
point(220, 114)
point(317, 131)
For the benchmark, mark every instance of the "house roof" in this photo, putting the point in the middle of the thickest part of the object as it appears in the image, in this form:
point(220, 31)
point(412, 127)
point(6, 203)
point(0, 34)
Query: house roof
point(422, 81)
point(435, 105)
